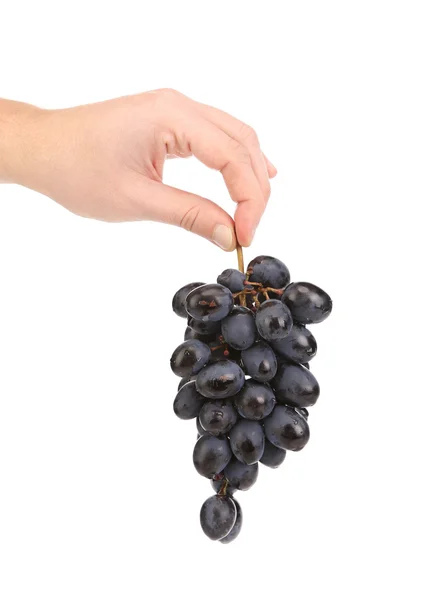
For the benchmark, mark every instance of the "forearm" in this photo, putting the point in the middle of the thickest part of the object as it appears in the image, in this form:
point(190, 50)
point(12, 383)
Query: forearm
point(17, 140)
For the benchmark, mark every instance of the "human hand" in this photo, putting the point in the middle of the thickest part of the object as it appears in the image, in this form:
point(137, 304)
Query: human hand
point(105, 161)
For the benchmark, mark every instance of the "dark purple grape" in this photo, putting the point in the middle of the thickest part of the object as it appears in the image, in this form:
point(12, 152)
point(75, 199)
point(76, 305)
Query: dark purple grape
point(236, 527)
point(241, 476)
point(200, 429)
point(269, 271)
point(232, 279)
point(239, 329)
point(189, 358)
point(255, 400)
point(260, 362)
point(286, 429)
point(299, 346)
point(273, 320)
point(218, 516)
point(188, 402)
point(295, 385)
point(185, 380)
point(211, 455)
point(210, 302)
point(272, 457)
point(307, 302)
point(218, 483)
point(217, 416)
point(178, 301)
point(221, 379)
point(204, 328)
point(190, 334)
point(247, 441)
point(304, 412)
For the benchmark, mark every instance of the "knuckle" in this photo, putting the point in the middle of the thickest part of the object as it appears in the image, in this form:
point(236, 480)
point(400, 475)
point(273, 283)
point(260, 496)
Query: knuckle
point(249, 135)
point(239, 151)
point(189, 218)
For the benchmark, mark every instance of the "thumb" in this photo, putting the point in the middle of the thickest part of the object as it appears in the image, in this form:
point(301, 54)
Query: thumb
point(193, 213)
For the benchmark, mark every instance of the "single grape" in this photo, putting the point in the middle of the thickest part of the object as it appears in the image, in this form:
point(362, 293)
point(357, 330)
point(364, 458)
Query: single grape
point(236, 527)
point(204, 328)
point(255, 400)
point(217, 416)
point(247, 441)
point(260, 361)
point(189, 358)
point(239, 329)
point(217, 485)
point(185, 380)
point(188, 402)
point(299, 346)
point(304, 412)
point(269, 271)
point(200, 429)
point(286, 429)
point(211, 455)
point(307, 302)
point(191, 334)
point(210, 302)
point(272, 457)
point(178, 301)
point(241, 476)
point(218, 516)
point(295, 385)
point(232, 279)
point(273, 320)
point(221, 379)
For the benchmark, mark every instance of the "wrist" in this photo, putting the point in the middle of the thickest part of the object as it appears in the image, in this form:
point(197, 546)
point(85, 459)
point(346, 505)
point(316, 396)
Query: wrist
point(20, 138)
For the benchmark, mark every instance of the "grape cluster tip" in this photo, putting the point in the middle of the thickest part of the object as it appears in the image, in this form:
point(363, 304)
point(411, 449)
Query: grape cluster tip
point(245, 378)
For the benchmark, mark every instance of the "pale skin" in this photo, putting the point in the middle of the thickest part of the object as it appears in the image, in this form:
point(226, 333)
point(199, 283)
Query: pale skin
point(105, 161)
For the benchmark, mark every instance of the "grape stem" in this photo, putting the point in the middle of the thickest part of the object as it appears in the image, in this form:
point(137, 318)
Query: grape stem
point(240, 261)
point(223, 488)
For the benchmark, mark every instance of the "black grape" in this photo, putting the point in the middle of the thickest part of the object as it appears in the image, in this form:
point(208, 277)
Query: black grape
point(269, 271)
point(241, 476)
point(255, 400)
point(299, 346)
point(189, 358)
point(218, 516)
point(218, 483)
point(239, 329)
point(204, 328)
point(217, 416)
point(200, 429)
point(273, 320)
point(210, 302)
point(260, 361)
point(272, 457)
point(307, 302)
point(190, 334)
point(232, 279)
point(178, 301)
point(286, 429)
point(236, 527)
point(304, 412)
point(188, 402)
point(295, 385)
point(221, 379)
point(247, 441)
point(185, 380)
point(211, 455)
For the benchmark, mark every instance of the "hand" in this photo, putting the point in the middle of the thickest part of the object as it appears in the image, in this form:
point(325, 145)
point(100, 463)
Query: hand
point(105, 161)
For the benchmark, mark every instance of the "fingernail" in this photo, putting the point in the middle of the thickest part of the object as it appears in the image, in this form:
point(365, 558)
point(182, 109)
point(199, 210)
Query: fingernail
point(252, 235)
point(223, 237)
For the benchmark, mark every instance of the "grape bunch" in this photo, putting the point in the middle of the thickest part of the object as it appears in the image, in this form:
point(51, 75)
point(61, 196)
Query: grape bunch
point(245, 378)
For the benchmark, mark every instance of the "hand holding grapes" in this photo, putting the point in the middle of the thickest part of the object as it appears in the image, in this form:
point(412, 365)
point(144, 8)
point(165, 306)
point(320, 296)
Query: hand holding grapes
point(106, 160)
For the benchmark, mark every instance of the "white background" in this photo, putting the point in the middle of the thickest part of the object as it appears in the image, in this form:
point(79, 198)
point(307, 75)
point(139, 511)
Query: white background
point(98, 495)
